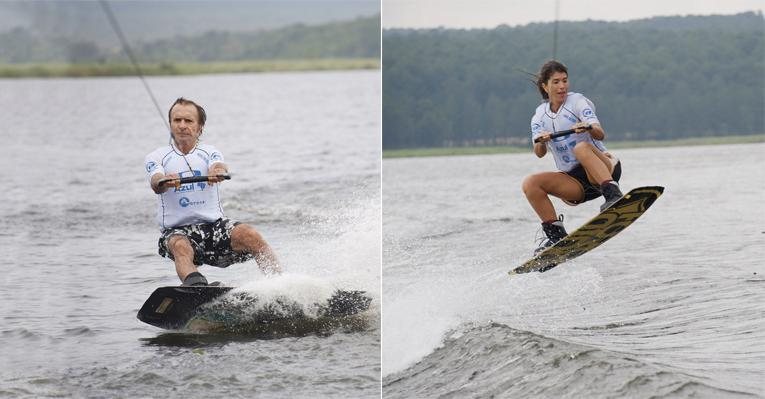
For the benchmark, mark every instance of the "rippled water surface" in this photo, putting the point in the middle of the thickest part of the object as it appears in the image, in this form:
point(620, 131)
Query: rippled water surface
point(671, 307)
point(78, 238)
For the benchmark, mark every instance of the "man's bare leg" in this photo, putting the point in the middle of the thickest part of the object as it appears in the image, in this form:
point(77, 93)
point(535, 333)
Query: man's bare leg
point(244, 238)
point(183, 255)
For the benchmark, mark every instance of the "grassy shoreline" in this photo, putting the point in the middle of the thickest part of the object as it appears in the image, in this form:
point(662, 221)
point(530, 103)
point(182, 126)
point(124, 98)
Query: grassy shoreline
point(449, 151)
point(59, 70)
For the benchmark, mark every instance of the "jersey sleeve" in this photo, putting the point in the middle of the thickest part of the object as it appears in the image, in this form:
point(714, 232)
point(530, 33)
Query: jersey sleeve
point(536, 126)
point(585, 110)
point(215, 156)
point(153, 165)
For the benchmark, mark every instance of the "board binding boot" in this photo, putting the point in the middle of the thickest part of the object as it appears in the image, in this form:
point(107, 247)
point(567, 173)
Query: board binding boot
point(554, 232)
point(611, 193)
point(194, 279)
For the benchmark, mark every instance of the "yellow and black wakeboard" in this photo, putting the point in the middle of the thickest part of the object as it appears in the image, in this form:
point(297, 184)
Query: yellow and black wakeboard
point(595, 232)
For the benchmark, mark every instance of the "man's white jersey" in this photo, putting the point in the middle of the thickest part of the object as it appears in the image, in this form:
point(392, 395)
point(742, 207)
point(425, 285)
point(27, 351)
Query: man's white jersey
point(576, 108)
point(191, 203)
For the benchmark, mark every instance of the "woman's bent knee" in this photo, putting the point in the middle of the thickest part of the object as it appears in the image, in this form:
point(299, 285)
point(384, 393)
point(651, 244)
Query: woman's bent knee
point(583, 148)
point(529, 184)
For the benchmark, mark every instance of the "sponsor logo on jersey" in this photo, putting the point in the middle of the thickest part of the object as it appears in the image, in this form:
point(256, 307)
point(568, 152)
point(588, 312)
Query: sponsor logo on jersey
point(184, 202)
point(150, 166)
point(587, 112)
point(191, 186)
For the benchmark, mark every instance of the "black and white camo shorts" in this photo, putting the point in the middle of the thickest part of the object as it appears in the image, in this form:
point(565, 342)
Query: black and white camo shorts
point(211, 243)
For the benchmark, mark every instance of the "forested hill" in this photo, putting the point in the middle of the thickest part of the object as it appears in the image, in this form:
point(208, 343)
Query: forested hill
point(668, 77)
point(149, 20)
point(356, 38)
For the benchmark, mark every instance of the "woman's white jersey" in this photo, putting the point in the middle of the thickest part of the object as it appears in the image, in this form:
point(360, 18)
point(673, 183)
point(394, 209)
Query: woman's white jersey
point(192, 203)
point(576, 108)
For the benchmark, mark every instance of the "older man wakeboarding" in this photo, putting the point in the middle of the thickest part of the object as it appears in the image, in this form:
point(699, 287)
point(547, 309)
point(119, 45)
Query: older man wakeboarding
point(186, 174)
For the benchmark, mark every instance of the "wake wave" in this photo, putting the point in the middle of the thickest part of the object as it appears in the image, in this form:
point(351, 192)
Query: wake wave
point(495, 360)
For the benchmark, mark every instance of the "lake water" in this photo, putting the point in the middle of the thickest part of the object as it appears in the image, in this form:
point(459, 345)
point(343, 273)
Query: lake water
point(78, 239)
point(672, 307)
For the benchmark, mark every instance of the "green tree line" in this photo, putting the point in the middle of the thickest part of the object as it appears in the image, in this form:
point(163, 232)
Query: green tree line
point(660, 78)
point(358, 38)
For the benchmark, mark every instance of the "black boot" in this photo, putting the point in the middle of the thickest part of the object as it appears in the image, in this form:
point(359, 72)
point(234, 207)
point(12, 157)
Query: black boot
point(611, 193)
point(554, 232)
point(194, 279)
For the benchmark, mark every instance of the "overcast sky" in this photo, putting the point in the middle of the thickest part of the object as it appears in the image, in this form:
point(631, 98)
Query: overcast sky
point(490, 13)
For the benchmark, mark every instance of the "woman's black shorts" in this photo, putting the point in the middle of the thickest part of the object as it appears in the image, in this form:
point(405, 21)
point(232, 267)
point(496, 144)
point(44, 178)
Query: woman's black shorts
point(591, 191)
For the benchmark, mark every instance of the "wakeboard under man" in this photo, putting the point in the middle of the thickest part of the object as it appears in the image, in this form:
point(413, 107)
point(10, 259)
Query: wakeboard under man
point(181, 307)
